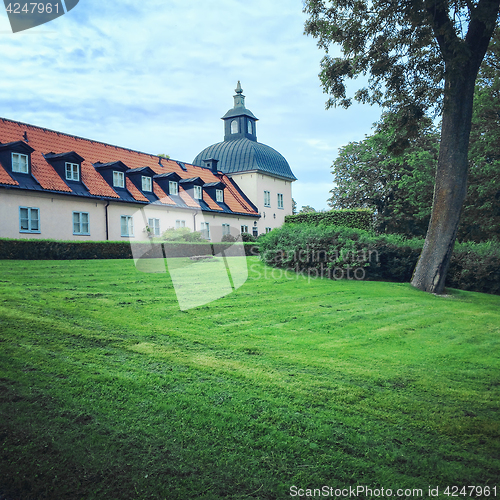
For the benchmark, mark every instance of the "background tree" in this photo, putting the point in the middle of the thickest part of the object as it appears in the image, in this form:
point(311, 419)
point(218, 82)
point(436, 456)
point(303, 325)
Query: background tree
point(481, 213)
point(294, 207)
point(420, 55)
point(396, 187)
point(306, 209)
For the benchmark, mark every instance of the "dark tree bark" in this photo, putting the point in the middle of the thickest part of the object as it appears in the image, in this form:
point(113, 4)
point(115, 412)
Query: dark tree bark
point(462, 61)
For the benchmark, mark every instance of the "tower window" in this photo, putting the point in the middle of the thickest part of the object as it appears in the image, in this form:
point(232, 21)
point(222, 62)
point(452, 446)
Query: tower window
point(249, 123)
point(234, 127)
point(267, 198)
point(280, 200)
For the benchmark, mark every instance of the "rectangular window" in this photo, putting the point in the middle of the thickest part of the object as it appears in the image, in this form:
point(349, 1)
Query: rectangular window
point(154, 226)
point(72, 172)
point(268, 229)
point(219, 195)
point(127, 225)
point(29, 220)
point(226, 229)
point(205, 230)
point(267, 198)
point(81, 223)
point(198, 194)
point(19, 163)
point(118, 179)
point(173, 188)
point(280, 201)
point(180, 223)
point(244, 229)
point(146, 183)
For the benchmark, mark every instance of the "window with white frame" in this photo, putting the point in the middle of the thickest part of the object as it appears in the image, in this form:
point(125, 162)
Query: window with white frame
point(29, 220)
point(244, 229)
point(147, 184)
point(180, 223)
point(118, 179)
point(173, 188)
point(81, 223)
point(280, 200)
point(226, 229)
point(19, 163)
point(127, 225)
point(154, 226)
point(205, 230)
point(219, 195)
point(198, 193)
point(72, 172)
point(267, 198)
point(234, 126)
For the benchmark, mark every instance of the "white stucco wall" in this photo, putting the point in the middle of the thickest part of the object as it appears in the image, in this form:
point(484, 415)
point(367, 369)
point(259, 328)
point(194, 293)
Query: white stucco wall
point(56, 217)
point(253, 184)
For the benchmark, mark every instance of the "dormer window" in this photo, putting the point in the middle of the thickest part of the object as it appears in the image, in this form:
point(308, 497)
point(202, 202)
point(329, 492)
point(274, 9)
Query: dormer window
point(118, 179)
point(173, 187)
point(72, 172)
point(198, 193)
point(147, 184)
point(20, 163)
point(219, 195)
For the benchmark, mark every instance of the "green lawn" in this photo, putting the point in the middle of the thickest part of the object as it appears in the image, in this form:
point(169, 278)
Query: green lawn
point(109, 391)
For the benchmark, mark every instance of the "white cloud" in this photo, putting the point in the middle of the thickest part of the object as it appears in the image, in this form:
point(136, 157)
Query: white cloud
point(157, 76)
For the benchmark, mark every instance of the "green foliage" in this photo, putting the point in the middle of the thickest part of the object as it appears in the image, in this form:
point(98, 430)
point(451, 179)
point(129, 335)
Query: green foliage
point(307, 209)
point(481, 212)
point(334, 251)
point(358, 218)
point(30, 249)
point(248, 238)
point(396, 186)
point(181, 234)
point(108, 391)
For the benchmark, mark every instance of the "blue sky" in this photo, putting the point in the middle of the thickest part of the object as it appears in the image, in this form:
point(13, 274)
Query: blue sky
point(157, 77)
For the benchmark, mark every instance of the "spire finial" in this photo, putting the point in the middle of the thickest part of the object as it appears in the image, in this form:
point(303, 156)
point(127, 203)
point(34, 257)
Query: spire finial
point(239, 98)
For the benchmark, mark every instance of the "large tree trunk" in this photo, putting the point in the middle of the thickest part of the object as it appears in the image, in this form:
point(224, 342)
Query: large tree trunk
point(451, 185)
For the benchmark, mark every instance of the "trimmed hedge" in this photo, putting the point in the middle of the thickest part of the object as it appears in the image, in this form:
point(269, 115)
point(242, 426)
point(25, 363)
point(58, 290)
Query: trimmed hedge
point(30, 249)
point(340, 252)
point(357, 219)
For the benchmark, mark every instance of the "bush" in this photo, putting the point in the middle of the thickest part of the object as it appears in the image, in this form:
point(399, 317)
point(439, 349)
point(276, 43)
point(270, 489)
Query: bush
point(247, 237)
point(229, 238)
point(358, 219)
point(181, 234)
point(31, 249)
point(336, 251)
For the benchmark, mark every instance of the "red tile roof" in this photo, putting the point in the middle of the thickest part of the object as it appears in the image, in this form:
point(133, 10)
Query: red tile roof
point(45, 141)
point(5, 178)
point(190, 202)
point(211, 203)
point(163, 197)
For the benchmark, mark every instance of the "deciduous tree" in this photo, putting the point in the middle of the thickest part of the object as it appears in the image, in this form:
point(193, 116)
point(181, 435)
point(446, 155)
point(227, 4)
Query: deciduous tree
point(419, 55)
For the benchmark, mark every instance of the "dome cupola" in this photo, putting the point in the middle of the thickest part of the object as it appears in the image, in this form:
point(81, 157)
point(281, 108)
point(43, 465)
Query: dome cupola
point(240, 151)
point(239, 122)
